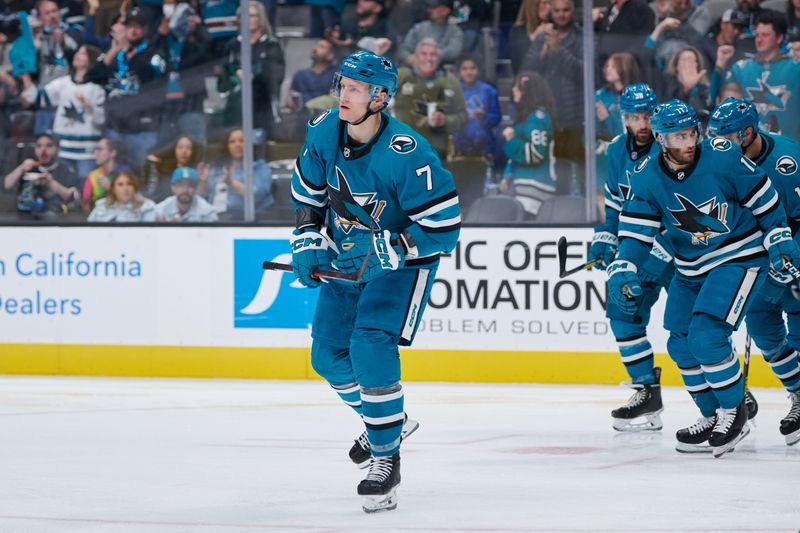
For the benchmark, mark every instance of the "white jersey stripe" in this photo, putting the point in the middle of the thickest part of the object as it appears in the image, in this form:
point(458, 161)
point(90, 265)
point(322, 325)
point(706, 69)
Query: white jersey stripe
point(631, 219)
point(761, 192)
point(637, 236)
point(439, 223)
point(720, 251)
point(767, 206)
point(306, 200)
point(435, 209)
point(709, 266)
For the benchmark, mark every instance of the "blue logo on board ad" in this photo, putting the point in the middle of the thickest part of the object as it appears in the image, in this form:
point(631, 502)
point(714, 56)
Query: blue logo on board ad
point(268, 298)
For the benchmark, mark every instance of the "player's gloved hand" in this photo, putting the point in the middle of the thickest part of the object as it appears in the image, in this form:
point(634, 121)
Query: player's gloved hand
point(603, 249)
point(380, 250)
point(310, 251)
point(775, 286)
point(624, 288)
point(784, 253)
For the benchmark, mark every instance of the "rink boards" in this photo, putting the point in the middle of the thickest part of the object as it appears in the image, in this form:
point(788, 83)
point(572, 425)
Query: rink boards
point(194, 302)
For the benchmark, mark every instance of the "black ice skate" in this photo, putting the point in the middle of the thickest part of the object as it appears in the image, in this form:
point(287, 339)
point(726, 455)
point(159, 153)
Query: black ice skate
point(644, 404)
point(360, 452)
point(694, 439)
point(752, 405)
point(790, 425)
point(379, 488)
point(731, 427)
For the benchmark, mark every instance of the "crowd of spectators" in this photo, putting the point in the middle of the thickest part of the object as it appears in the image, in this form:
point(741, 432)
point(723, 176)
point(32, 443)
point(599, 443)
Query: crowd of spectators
point(111, 96)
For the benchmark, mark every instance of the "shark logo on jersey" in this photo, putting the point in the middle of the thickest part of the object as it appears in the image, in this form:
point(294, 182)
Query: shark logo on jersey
point(317, 120)
point(403, 144)
point(703, 221)
point(786, 165)
point(360, 210)
point(768, 97)
point(721, 144)
point(625, 188)
point(268, 299)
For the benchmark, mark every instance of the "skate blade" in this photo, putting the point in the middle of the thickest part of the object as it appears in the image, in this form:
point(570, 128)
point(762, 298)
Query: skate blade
point(652, 422)
point(408, 428)
point(693, 448)
point(719, 451)
point(793, 438)
point(380, 502)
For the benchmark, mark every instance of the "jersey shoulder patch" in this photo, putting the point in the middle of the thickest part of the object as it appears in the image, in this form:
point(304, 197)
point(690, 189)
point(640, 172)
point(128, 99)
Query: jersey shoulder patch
point(641, 164)
point(402, 143)
point(786, 165)
point(721, 144)
point(316, 121)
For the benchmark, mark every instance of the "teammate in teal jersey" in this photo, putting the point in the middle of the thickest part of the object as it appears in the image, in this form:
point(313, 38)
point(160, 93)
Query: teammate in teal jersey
point(369, 191)
point(737, 121)
point(719, 212)
point(643, 409)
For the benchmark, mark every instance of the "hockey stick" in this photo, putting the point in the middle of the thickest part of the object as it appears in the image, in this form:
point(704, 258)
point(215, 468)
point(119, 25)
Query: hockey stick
point(353, 277)
point(562, 260)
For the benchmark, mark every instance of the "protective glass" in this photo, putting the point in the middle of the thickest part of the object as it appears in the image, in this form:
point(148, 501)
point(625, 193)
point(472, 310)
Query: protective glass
point(355, 91)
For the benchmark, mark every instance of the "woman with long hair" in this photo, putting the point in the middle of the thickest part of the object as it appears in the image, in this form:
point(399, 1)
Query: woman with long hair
point(158, 168)
point(223, 182)
point(529, 143)
point(124, 202)
point(532, 18)
point(686, 79)
point(619, 70)
point(268, 65)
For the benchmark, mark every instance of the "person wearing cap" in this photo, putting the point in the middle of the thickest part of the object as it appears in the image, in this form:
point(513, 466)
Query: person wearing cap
point(725, 39)
point(185, 205)
point(127, 70)
point(430, 99)
point(449, 37)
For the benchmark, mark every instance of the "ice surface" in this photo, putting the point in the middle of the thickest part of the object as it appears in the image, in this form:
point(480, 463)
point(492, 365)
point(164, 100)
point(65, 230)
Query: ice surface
point(123, 455)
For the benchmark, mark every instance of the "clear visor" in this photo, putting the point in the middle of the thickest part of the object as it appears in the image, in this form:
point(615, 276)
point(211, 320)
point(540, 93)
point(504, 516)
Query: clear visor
point(636, 121)
point(681, 139)
point(351, 90)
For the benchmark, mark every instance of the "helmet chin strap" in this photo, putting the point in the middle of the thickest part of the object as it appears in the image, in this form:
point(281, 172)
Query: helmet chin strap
point(368, 114)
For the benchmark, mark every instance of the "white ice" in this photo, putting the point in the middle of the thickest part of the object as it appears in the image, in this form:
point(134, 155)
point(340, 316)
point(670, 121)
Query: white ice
point(151, 456)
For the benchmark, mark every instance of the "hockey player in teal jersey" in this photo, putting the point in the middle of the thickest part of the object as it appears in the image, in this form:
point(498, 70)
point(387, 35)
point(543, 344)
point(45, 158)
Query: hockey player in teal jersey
point(737, 121)
point(369, 191)
point(643, 409)
point(725, 222)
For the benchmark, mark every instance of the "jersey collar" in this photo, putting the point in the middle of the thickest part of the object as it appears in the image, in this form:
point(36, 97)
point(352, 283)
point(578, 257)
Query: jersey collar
point(684, 173)
point(767, 144)
point(637, 152)
point(351, 152)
